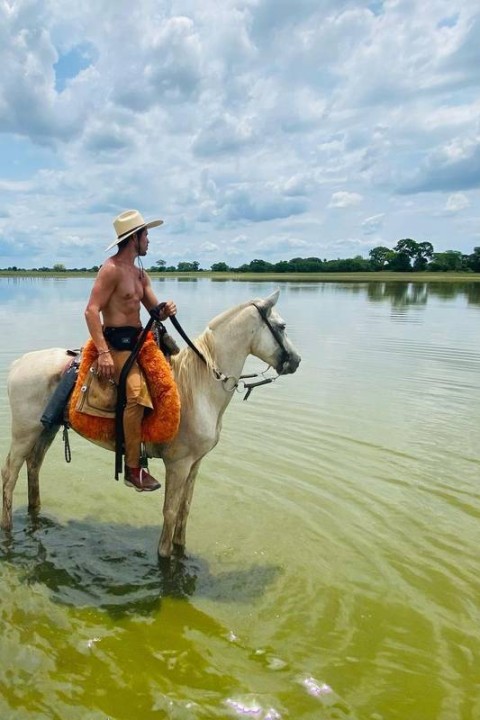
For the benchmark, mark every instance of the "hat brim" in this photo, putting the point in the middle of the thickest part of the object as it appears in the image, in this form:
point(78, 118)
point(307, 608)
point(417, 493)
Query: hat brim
point(151, 224)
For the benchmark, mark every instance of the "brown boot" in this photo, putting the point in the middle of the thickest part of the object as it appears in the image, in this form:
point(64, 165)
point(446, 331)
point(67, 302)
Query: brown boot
point(140, 479)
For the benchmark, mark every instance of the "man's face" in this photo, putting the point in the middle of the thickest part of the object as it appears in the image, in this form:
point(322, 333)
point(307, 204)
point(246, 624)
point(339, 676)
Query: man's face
point(143, 242)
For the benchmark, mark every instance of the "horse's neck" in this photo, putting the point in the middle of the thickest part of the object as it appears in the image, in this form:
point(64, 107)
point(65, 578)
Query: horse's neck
point(225, 347)
point(230, 343)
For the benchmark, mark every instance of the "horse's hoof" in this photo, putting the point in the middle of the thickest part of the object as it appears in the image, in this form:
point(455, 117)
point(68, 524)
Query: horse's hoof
point(179, 551)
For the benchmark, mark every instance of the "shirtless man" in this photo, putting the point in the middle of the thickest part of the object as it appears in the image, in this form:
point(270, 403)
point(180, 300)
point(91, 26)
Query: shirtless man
point(113, 319)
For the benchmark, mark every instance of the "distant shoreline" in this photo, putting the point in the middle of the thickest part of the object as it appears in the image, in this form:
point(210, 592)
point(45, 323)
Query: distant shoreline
point(363, 277)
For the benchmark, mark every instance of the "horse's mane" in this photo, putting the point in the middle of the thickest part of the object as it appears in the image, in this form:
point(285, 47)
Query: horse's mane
point(189, 370)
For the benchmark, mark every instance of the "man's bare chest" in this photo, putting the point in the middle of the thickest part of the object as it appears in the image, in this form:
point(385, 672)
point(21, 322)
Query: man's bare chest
point(130, 287)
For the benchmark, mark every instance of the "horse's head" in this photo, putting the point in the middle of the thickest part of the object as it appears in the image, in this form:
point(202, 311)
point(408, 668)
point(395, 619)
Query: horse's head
point(270, 341)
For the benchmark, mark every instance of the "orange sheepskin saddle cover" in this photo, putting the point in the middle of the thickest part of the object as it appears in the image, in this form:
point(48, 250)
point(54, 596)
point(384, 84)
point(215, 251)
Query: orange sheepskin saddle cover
point(159, 425)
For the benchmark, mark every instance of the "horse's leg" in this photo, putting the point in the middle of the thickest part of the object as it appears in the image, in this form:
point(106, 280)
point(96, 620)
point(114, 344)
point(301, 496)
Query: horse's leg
point(175, 477)
point(19, 449)
point(34, 463)
point(179, 534)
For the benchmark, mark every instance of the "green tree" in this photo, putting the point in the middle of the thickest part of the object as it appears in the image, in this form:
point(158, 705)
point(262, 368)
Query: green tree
point(188, 266)
point(424, 254)
point(220, 267)
point(380, 256)
point(448, 261)
point(260, 266)
point(310, 264)
point(160, 265)
point(405, 252)
point(409, 253)
point(283, 266)
point(59, 267)
point(473, 260)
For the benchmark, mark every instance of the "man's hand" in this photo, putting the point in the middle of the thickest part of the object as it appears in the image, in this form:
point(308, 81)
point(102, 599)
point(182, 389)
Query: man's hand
point(163, 310)
point(105, 366)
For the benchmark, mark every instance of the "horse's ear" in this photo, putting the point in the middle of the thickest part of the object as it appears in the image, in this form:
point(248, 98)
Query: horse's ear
point(269, 301)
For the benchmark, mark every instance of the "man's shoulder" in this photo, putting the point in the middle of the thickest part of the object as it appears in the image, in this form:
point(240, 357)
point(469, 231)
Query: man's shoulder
point(111, 265)
point(109, 270)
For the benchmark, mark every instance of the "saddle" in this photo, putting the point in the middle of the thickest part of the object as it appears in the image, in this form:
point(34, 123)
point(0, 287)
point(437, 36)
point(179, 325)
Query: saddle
point(159, 425)
point(92, 413)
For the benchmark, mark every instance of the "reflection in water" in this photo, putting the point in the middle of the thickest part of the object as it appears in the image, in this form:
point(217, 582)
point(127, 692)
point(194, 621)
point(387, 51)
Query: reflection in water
point(399, 294)
point(112, 567)
point(404, 294)
point(303, 287)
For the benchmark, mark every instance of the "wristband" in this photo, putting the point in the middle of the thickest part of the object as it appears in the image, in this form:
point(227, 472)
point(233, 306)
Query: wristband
point(103, 352)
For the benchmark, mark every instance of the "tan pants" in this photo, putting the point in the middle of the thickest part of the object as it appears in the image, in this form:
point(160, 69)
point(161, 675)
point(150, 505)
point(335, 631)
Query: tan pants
point(138, 398)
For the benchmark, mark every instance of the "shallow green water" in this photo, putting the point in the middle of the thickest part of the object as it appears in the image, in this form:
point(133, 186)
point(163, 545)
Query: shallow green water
point(333, 541)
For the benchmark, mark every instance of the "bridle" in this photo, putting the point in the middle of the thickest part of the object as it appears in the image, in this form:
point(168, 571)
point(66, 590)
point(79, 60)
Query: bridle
point(229, 382)
point(285, 356)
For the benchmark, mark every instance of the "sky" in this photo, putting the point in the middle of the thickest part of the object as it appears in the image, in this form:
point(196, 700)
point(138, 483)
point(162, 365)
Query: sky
point(256, 129)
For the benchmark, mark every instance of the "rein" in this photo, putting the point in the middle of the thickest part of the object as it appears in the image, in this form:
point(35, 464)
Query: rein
point(122, 398)
point(230, 386)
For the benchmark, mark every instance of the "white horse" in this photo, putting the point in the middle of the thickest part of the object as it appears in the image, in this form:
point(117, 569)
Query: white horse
point(205, 388)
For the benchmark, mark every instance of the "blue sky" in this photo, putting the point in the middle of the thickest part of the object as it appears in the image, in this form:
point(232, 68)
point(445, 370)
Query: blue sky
point(256, 129)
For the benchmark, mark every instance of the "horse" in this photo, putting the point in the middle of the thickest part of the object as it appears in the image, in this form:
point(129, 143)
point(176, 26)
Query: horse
point(206, 381)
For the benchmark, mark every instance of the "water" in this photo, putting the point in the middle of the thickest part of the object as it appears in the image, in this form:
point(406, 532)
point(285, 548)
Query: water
point(333, 540)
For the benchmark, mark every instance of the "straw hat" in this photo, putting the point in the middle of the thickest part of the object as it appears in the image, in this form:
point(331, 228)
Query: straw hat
point(128, 223)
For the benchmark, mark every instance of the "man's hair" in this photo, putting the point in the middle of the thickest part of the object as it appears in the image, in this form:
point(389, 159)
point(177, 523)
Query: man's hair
point(123, 243)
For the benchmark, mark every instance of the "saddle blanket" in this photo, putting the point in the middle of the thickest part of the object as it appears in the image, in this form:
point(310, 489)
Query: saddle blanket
point(159, 425)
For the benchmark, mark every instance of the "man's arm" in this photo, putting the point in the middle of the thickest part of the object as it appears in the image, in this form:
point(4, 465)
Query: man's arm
point(102, 291)
point(149, 300)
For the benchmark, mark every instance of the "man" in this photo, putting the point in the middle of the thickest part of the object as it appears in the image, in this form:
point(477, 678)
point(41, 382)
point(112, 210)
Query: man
point(113, 319)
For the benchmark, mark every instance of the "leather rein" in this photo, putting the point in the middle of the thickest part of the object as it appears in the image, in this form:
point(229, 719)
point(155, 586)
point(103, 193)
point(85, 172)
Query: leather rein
point(230, 383)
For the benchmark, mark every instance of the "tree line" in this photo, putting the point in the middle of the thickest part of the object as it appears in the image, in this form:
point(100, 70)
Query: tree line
point(407, 256)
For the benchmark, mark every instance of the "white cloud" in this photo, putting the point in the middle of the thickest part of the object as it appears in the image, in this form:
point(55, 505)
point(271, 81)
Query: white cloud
point(257, 120)
point(224, 135)
point(372, 224)
point(457, 202)
point(276, 241)
point(453, 166)
point(208, 247)
point(343, 199)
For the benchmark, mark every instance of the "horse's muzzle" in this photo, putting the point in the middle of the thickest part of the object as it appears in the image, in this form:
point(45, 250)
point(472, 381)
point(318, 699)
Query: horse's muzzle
point(289, 364)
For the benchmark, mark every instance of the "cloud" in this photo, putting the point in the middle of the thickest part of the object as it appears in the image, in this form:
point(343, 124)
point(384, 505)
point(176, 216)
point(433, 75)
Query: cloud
point(281, 246)
point(239, 240)
point(455, 166)
point(343, 199)
point(298, 185)
point(168, 66)
point(372, 224)
point(208, 247)
point(102, 138)
point(456, 202)
point(70, 64)
point(465, 56)
point(258, 120)
point(244, 204)
point(224, 135)
point(240, 203)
